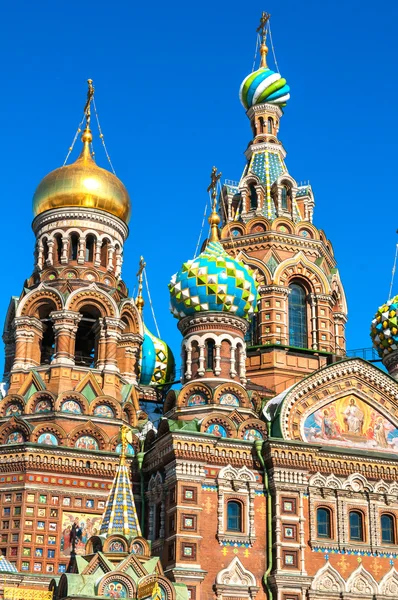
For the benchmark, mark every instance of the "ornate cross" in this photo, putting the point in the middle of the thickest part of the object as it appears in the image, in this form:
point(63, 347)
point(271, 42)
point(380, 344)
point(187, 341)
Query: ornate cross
point(214, 179)
point(90, 94)
point(261, 29)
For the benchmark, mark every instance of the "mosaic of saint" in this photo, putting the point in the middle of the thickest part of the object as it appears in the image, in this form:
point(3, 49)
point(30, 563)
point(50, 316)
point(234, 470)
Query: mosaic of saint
point(196, 400)
point(86, 442)
point(217, 430)
point(229, 399)
point(130, 449)
point(71, 406)
point(252, 435)
point(16, 437)
point(115, 589)
point(13, 410)
point(86, 526)
point(48, 438)
point(103, 410)
point(43, 406)
point(351, 422)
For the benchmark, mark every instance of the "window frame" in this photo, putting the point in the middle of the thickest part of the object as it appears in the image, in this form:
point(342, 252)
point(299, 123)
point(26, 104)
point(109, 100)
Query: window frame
point(393, 528)
point(298, 332)
point(240, 516)
point(362, 525)
point(329, 523)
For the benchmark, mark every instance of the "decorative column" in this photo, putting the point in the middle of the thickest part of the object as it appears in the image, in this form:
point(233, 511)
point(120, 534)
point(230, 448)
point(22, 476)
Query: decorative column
point(244, 206)
point(232, 370)
point(40, 256)
point(50, 257)
point(113, 330)
point(273, 315)
point(188, 365)
point(81, 250)
point(100, 344)
point(313, 303)
point(129, 347)
point(65, 323)
point(201, 369)
point(111, 252)
point(260, 195)
point(64, 251)
point(28, 335)
point(217, 359)
point(242, 365)
point(97, 255)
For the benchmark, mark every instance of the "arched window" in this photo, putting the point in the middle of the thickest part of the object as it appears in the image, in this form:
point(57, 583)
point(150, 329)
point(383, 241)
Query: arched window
point(270, 125)
point(253, 196)
point(387, 529)
point(58, 249)
point(89, 256)
point(261, 124)
point(85, 344)
point(284, 203)
point(104, 253)
point(45, 251)
point(73, 246)
point(234, 516)
point(297, 317)
point(210, 354)
point(323, 523)
point(356, 526)
point(47, 342)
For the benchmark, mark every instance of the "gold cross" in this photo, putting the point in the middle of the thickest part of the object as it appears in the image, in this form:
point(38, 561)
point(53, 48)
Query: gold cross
point(343, 564)
point(140, 300)
point(214, 179)
point(90, 95)
point(265, 17)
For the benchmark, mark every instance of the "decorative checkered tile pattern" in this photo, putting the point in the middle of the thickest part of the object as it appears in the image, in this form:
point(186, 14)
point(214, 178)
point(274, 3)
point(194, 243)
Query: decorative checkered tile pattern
point(214, 281)
point(120, 515)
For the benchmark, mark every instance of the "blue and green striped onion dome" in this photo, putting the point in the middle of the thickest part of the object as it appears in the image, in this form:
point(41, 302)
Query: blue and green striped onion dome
point(264, 86)
point(157, 364)
point(213, 282)
point(384, 328)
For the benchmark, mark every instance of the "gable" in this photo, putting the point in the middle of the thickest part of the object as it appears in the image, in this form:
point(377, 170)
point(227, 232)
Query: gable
point(349, 404)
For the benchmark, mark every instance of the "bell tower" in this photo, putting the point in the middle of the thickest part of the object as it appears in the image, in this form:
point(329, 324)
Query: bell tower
point(267, 217)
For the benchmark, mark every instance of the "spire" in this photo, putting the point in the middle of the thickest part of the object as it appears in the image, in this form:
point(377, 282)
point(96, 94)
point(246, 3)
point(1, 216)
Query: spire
point(87, 136)
point(262, 30)
point(214, 218)
point(120, 515)
point(139, 301)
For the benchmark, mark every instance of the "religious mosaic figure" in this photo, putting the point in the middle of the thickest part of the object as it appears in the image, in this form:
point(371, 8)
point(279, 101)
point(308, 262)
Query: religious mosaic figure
point(353, 418)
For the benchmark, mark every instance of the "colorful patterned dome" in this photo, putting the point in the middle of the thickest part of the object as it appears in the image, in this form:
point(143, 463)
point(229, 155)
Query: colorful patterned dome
point(214, 282)
point(264, 86)
point(384, 328)
point(157, 364)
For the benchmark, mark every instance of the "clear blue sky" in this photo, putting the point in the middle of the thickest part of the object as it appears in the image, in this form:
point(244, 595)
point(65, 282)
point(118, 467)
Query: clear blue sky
point(167, 77)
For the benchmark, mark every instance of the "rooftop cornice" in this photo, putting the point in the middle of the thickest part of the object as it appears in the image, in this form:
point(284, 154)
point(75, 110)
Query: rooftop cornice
point(91, 214)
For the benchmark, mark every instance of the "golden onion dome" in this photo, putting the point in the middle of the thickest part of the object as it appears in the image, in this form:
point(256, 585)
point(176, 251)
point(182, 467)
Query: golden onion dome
point(85, 184)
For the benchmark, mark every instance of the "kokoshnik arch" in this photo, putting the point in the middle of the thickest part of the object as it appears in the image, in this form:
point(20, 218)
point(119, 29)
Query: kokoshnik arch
point(272, 472)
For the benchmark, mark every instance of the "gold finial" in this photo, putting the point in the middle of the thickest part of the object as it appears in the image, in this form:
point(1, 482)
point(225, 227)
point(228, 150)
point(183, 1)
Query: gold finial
point(214, 218)
point(140, 300)
point(262, 30)
point(87, 136)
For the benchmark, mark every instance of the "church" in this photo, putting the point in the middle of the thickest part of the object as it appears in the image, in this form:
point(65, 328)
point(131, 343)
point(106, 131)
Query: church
point(272, 472)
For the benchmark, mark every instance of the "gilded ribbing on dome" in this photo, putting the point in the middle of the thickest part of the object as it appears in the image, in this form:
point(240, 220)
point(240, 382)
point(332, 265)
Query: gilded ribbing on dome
point(120, 514)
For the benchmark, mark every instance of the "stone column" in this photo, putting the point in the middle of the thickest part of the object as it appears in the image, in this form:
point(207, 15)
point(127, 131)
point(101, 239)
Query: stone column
point(50, 258)
point(81, 250)
point(28, 335)
point(40, 256)
point(64, 251)
point(217, 359)
point(201, 369)
point(111, 252)
point(188, 366)
point(113, 331)
point(65, 323)
point(313, 303)
point(242, 365)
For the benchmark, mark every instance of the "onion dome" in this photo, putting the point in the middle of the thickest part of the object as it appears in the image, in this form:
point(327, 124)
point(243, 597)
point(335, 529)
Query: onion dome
point(384, 328)
point(214, 282)
point(264, 86)
point(83, 184)
point(157, 365)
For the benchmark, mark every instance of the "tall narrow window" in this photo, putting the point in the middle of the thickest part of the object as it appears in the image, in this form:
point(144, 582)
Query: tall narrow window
point(284, 205)
point(253, 196)
point(234, 516)
point(73, 246)
point(45, 251)
point(297, 317)
point(387, 529)
point(270, 125)
point(89, 257)
point(210, 354)
point(323, 523)
point(58, 249)
point(261, 124)
point(356, 526)
point(104, 253)
point(86, 342)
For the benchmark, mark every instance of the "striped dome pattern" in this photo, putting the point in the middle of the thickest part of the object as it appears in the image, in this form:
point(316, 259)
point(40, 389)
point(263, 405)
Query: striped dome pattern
point(264, 86)
point(157, 364)
point(384, 328)
point(213, 282)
